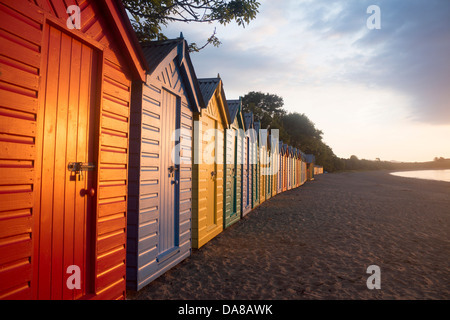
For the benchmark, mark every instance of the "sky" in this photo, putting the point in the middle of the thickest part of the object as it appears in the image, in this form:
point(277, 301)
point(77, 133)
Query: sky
point(375, 93)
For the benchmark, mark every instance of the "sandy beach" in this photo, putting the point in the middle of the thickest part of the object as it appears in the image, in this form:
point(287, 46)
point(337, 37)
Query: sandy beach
point(316, 242)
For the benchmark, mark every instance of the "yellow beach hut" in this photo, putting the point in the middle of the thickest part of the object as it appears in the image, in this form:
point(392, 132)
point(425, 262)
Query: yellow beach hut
point(262, 158)
point(208, 175)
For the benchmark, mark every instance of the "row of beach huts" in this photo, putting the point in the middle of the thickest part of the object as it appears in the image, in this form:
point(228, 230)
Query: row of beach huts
point(104, 144)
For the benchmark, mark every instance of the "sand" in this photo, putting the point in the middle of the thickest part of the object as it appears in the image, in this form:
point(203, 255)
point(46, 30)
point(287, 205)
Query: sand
point(316, 242)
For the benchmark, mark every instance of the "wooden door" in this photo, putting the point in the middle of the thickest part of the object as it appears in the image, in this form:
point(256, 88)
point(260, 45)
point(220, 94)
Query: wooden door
point(232, 163)
point(169, 192)
point(211, 175)
point(67, 198)
point(247, 173)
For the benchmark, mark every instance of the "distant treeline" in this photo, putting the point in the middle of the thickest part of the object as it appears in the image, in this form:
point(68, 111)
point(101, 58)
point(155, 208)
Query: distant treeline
point(356, 164)
point(300, 132)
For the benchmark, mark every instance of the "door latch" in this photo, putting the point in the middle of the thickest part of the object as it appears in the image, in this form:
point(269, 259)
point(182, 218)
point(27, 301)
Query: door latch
point(172, 170)
point(79, 167)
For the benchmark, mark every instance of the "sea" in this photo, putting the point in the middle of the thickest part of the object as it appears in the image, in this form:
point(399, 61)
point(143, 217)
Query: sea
point(440, 175)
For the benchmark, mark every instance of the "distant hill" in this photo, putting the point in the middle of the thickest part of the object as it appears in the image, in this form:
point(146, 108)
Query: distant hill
point(356, 164)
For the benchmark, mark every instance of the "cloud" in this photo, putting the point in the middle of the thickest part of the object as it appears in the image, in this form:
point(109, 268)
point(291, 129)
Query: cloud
point(409, 54)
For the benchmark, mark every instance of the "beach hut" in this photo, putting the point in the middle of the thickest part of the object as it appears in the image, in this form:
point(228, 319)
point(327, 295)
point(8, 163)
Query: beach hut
point(297, 167)
point(289, 167)
point(257, 161)
point(318, 170)
point(280, 176)
point(234, 144)
point(285, 167)
point(248, 167)
point(262, 158)
point(310, 159)
point(294, 167)
point(65, 88)
point(208, 174)
point(256, 165)
point(160, 172)
point(274, 163)
point(303, 168)
point(268, 168)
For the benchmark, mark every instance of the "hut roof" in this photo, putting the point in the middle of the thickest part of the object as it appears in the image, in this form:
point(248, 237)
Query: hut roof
point(158, 52)
point(233, 106)
point(310, 158)
point(248, 119)
point(208, 86)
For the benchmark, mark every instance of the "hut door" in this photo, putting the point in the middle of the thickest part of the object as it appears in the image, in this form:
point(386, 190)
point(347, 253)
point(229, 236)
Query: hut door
point(211, 174)
point(247, 172)
point(64, 244)
point(233, 154)
point(169, 192)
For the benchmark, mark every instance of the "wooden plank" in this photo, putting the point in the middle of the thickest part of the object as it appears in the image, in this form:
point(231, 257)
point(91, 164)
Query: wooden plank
point(110, 260)
point(110, 241)
point(116, 291)
point(17, 126)
point(21, 292)
point(45, 4)
point(111, 224)
point(15, 248)
point(27, 9)
point(15, 226)
point(112, 208)
point(106, 174)
point(114, 123)
point(18, 74)
point(48, 156)
point(111, 192)
point(111, 276)
point(16, 23)
point(71, 153)
point(114, 141)
point(60, 163)
point(118, 107)
point(151, 119)
point(85, 144)
point(14, 201)
point(113, 157)
point(60, 9)
point(113, 71)
point(117, 90)
point(17, 175)
point(16, 274)
point(17, 98)
point(18, 49)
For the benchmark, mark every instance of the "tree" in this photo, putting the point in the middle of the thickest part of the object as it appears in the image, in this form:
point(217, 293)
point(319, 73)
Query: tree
point(265, 107)
point(268, 109)
point(148, 16)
